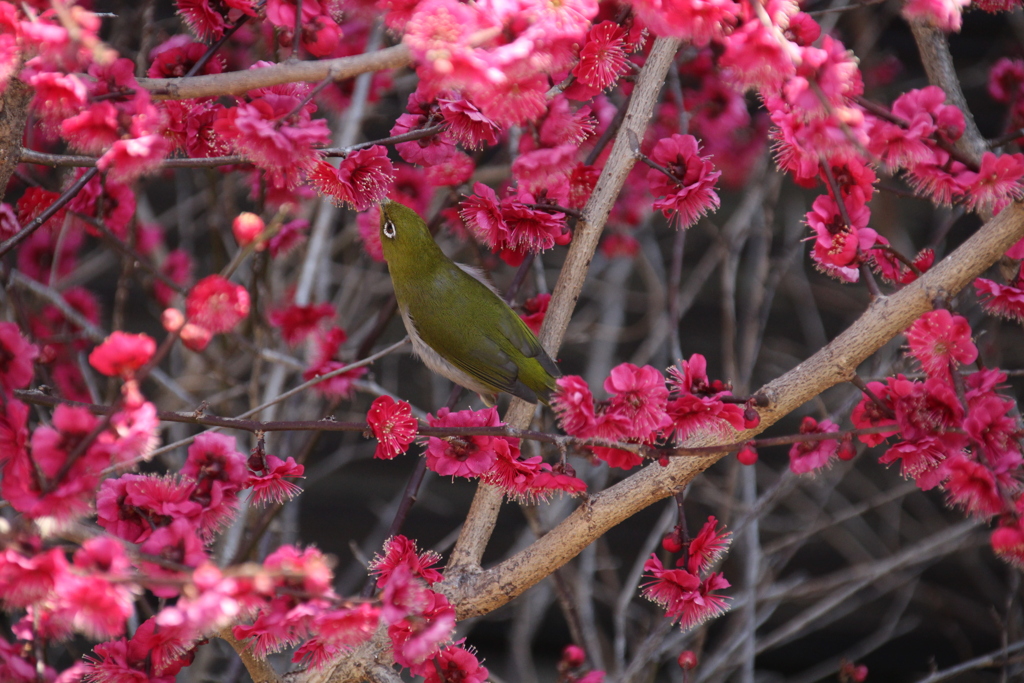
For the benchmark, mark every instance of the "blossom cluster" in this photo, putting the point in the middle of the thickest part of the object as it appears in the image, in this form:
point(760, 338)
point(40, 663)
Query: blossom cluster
point(647, 408)
point(690, 593)
point(954, 430)
point(496, 460)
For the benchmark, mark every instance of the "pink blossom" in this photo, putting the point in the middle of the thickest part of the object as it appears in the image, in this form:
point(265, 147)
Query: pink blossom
point(337, 630)
point(602, 57)
point(57, 96)
point(417, 637)
point(178, 543)
point(175, 57)
point(573, 403)
point(288, 237)
point(1006, 80)
point(838, 246)
point(1008, 540)
point(132, 505)
point(809, 456)
point(455, 663)
point(164, 650)
point(1002, 300)
point(696, 404)
point(128, 159)
point(260, 131)
point(204, 21)
point(482, 213)
point(30, 482)
point(121, 354)
point(689, 193)
point(990, 425)
point(514, 101)
point(942, 14)
point(545, 171)
point(758, 56)
point(272, 486)
point(10, 51)
point(892, 269)
point(531, 229)
point(116, 200)
point(871, 413)
point(392, 425)
point(996, 183)
point(30, 577)
point(94, 129)
point(534, 310)
point(696, 21)
point(305, 569)
point(464, 456)
point(641, 397)
point(467, 125)
point(455, 170)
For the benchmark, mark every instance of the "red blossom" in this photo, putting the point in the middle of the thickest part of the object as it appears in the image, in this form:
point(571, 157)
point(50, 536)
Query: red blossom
point(247, 227)
point(683, 595)
point(17, 357)
point(940, 341)
point(973, 487)
point(534, 310)
point(121, 354)
point(295, 322)
point(747, 455)
point(216, 304)
point(362, 179)
point(400, 550)
point(707, 547)
point(325, 348)
point(392, 425)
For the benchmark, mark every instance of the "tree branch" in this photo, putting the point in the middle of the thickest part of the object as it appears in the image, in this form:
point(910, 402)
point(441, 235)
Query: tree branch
point(837, 362)
point(241, 82)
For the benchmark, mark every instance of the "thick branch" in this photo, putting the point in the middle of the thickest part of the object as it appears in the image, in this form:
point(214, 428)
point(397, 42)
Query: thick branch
point(241, 82)
point(13, 114)
point(837, 362)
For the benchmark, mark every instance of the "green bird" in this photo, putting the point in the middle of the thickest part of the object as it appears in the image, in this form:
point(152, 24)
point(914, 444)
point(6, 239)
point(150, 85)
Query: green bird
point(459, 326)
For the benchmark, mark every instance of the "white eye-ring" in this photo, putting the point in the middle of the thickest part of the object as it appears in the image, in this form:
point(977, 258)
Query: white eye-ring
point(389, 229)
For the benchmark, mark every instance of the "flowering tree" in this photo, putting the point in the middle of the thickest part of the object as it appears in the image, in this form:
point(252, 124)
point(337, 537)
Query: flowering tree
point(192, 266)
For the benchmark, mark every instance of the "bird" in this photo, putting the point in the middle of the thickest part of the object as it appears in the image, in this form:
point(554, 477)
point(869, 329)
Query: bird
point(459, 326)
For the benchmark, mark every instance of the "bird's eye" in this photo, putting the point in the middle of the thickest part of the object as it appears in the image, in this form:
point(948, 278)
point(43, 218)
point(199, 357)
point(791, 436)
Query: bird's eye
point(389, 229)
